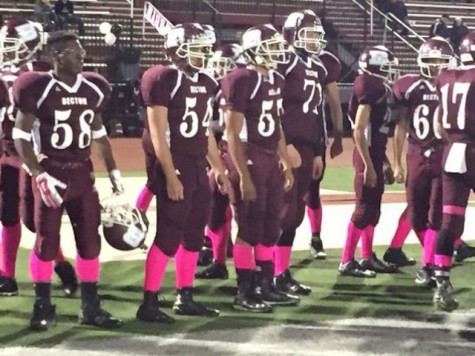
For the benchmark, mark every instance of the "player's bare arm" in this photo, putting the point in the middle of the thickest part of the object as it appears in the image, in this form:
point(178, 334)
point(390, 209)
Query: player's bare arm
point(216, 164)
point(158, 124)
point(102, 146)
point(332, 96)
point(286, 164)
point(23, 142)
point(398, 141)
point(234, 122)
point(361, 123)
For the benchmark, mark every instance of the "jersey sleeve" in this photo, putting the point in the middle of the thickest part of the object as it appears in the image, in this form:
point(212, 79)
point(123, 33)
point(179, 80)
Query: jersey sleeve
point(26, 91)
point(103, 87)
point(333, 67)
point(237, 90)
point(368, 90)
point(158, 84)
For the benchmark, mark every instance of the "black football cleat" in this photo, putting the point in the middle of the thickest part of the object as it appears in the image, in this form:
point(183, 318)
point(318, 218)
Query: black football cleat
point(92, 314)
point(205, 256)
point(444, 296)
point(185, 305)
point(287, 284)
point(316, 248)
point(249, 302)
point(353, 269)
point(153, 314)
point(376, 265)
point(67, 275)
point(266, 291)
point(214, 271)
point(397, 257)
point(43, 315)
point(8, 287)
point(463, 252)
point(425, 277)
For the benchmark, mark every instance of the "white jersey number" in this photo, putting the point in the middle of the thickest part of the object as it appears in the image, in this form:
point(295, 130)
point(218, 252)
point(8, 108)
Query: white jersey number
point(189, 126)
point(314, 86)
point(266, 125)
point(459, 96)
point(7, 111)
point(62, 137)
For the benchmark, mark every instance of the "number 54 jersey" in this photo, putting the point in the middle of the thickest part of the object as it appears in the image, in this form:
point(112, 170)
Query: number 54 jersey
point(420, 98)
point(64, 114)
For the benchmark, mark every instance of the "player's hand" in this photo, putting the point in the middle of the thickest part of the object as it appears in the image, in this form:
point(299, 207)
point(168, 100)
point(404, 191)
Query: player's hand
point(336, 148)
point(294, 156)
point(47, 185)
point(399, 174)
point(388, 173)
point(288, 179)
point(117, 182)
point(317, 168)
point(175, 189)
point(248, 190)
point(370, 177)
point(224, 185)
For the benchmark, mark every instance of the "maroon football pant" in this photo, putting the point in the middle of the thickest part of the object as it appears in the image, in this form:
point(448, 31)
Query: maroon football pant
point(219, 205)
point(183, 222)
point(368, 200)
point(313, 196)
point(81, 202)
point(150, 161)
point(259, 221)
point(424, 187)
point(27, 201)
point(294, 200)
point(9, 193)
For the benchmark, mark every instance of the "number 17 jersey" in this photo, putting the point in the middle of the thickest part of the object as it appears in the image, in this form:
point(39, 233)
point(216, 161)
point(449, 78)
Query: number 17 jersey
point(420, 98)
point(64, 114)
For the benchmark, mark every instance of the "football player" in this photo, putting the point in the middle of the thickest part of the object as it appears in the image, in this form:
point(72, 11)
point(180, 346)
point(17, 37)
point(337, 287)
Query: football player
point(369, 114)
point(179, 101)
point(332, 98)
point(456, 124)
point(20, 41)
point(225, 58)
point(63, 109)
point(302, 127)
point(253, 102)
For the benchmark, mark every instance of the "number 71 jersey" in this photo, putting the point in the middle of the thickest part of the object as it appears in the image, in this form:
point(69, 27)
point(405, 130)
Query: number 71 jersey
point(420, 98)
point(64, 114)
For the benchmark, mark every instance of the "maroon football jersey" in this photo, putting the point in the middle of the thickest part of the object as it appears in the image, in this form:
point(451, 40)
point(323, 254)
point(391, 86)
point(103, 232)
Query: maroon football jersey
point(419, 96)
point(189, 102)
point(332, 66)
point(370, 90)
point(260, 100)
point(456, 90)
point(9, 74)
point(301, 121)
point(217, 121)
point(64, 113)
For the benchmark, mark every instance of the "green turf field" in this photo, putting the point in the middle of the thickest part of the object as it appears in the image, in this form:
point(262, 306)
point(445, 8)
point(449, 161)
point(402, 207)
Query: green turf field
point(333, 297)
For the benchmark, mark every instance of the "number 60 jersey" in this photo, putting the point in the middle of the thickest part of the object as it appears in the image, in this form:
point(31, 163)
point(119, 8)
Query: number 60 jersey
point(64, 113)
point(419, 96)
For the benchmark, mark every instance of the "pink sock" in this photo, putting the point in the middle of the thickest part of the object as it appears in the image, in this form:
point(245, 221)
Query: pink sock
point(367, 242)
point(264, 253)
point(243, 258)
point(185, 265)
point(352, 237)
point(458, 242)
point(40, 271)
point(144, 199)
point(443, 261)
point(155, 267)
point(219, 239)
point(282, 259)
point(315, 218)
point(88, 270)
point(421, 236)
point(429, 247)
point(59, 256)
point(11, 236)
point(402, 231)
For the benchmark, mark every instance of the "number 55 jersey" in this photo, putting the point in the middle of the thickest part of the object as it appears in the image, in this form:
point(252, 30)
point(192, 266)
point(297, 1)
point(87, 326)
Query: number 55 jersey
point(64, 113)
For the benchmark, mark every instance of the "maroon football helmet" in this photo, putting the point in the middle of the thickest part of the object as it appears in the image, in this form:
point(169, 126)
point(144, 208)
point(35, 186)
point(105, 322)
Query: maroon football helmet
point(20, 39)
point(435, 54)
point(225, 58)
point(467, 48)
point(124, 227)
point(189, 46)
point(264, 46)
point(380, 62)
point(303, 29)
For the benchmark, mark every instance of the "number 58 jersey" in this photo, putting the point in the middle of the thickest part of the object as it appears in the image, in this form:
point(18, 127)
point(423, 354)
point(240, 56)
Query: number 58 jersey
point(64, 114)
point(420, 98)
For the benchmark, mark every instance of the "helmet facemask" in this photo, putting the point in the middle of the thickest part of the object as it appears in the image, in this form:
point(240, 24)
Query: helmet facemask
point(197, 52)
point(220, 65)
point(431, 64)
point(311, 39)
point(15, 50)
point(270, 53)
